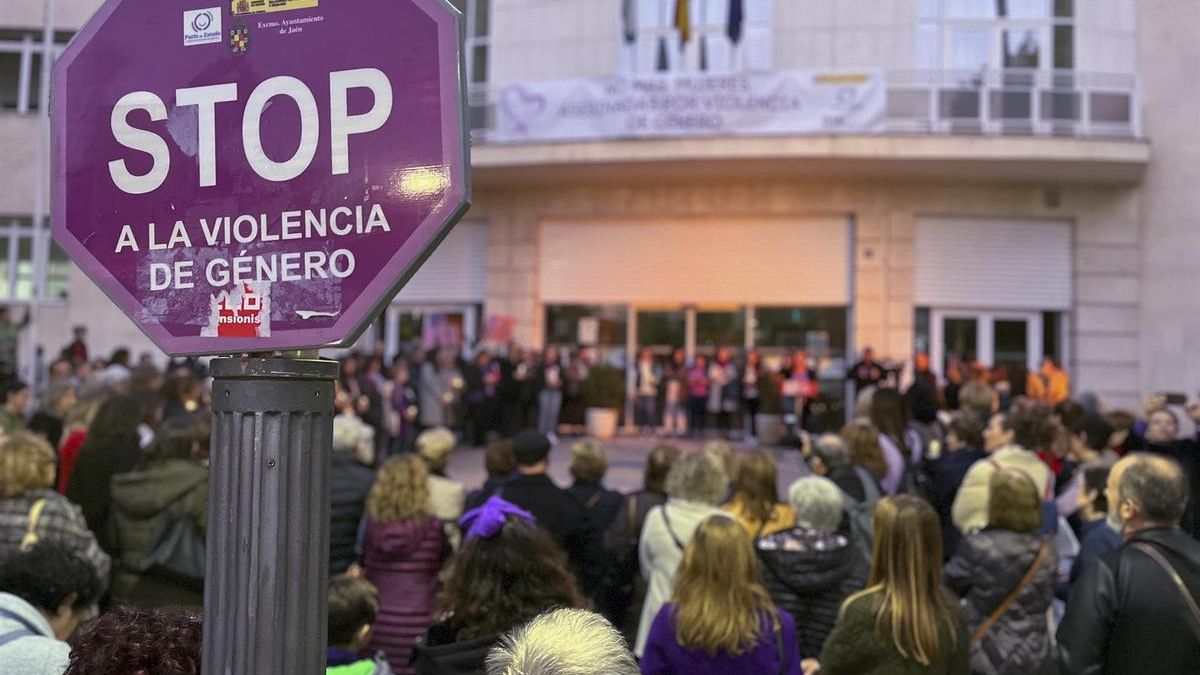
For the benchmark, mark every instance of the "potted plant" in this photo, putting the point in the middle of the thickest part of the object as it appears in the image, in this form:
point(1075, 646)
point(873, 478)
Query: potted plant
point(604, 396)
point(768, 423)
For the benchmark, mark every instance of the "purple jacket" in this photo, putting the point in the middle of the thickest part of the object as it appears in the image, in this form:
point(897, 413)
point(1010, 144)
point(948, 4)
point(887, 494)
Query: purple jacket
point(402, 560)
point(664, 655)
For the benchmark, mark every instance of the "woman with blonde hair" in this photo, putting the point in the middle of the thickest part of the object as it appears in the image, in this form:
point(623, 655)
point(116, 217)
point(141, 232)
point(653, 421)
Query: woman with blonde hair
point(903, 622)
point(403, 550)
point(755, 502)
point(30, 510)
point(720, 619)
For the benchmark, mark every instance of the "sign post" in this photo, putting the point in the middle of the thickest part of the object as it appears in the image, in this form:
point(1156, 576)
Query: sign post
point(257, 178)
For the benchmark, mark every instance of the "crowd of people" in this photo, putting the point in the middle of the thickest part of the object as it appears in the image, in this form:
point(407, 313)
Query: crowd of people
point(981, 524)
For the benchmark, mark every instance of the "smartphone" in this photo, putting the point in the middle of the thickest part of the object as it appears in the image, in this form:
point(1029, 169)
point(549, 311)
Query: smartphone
point(1174, 398)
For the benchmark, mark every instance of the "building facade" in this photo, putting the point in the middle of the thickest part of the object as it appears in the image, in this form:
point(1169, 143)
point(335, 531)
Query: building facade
point(1003, 179)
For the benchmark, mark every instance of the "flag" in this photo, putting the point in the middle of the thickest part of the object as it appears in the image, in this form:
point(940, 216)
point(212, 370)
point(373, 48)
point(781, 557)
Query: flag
point(736, 18)
point(683, 21)
point(629, 19)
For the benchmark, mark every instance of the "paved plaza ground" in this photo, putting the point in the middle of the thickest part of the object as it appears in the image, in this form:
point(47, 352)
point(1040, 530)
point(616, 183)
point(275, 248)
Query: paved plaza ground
point(626, 462)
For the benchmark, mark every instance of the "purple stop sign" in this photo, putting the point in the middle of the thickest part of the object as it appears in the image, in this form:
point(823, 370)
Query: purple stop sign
point(257, 175)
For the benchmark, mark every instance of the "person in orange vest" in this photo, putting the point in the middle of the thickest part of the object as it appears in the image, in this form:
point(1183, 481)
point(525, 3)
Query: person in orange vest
point(1055, 382)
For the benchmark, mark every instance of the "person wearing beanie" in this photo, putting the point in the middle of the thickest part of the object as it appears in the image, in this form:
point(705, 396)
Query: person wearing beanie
point(554, 508)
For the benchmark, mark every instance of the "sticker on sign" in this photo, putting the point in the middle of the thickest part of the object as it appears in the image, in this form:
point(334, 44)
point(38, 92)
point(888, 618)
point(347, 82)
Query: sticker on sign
point(201, 26)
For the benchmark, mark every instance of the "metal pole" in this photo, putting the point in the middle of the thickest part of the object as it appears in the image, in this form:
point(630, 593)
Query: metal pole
point(40, 246)
point(265, 607)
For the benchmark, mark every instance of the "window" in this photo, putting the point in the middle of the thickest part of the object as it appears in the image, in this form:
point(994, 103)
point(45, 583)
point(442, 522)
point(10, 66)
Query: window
point(703, 36)
point(21, 69)
point(476, 38)
point(20, 273)
point(601, 326)
point(979, 35)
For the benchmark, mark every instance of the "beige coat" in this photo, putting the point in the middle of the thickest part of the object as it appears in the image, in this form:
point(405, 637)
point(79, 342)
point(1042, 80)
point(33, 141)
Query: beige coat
point(446, 500)
point(970, 512)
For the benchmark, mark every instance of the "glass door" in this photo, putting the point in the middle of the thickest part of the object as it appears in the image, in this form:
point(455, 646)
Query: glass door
point(989, 338)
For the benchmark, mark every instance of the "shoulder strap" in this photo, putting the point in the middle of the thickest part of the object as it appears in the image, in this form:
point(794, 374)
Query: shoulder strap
point(35, 514)
point(592, 501)
point(871, 491)
point(631, 522)
point(671, 530)
point(1170, 570)
point(1012, 597)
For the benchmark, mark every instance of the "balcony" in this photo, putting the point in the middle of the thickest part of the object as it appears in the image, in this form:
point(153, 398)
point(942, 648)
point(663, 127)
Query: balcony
point(1061, 126)
point(987, 103)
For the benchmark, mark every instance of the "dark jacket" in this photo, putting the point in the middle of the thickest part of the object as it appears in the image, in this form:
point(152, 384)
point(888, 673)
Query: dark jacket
point(1187, 454)
point(601, 505)
point(984, 571)
point(946, 474)
point(349, 484)
point(624, 586)
point(178, 486)
point(566, 520)
point(856, 647)
point(442, 653)
point(810, 574)
point(91, 479)
point(1095, 539)
point(50, 426)
point(491, 486)
point(1126, 616)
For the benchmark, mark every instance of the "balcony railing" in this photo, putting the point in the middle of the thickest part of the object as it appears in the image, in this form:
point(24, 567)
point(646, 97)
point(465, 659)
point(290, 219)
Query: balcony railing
point(980, 103)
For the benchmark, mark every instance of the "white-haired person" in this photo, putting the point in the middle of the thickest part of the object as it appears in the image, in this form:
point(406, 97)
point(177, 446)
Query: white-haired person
point(349, 484)
point(563, 642)
point(810, 569)
point(446, 497)
point(696, 485)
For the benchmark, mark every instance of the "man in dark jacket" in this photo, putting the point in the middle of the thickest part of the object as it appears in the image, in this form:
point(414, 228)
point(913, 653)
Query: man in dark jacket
point(555, 510)
point(1130, 611)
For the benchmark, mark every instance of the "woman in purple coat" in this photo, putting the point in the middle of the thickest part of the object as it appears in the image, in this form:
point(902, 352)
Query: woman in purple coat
point(403, 550)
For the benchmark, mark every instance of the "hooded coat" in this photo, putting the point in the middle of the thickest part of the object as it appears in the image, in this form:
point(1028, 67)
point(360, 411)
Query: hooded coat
point(809, 574)
point(175, 486)
point(403, 560)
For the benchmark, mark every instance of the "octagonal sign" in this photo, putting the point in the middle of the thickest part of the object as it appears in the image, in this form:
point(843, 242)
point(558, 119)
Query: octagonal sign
point(258, 175)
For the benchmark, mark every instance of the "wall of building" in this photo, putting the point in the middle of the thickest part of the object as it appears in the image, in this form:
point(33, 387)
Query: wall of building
point(554, 39)
point(1104, 342)
point(845, 34)
point(1170, 210)
point(28, 14)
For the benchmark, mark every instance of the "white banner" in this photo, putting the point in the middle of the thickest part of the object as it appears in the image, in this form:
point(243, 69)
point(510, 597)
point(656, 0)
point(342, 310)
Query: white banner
point(674, 105)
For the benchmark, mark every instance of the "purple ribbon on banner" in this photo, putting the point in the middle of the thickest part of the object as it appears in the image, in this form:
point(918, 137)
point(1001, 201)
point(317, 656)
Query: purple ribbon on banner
point(487, 520)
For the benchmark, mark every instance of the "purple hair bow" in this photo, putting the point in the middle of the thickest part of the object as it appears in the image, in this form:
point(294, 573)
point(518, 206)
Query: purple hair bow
point(487, 520)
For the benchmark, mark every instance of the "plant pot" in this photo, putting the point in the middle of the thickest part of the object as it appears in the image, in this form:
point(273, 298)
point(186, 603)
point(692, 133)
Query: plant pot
point(768, 428)
point(602, 422)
